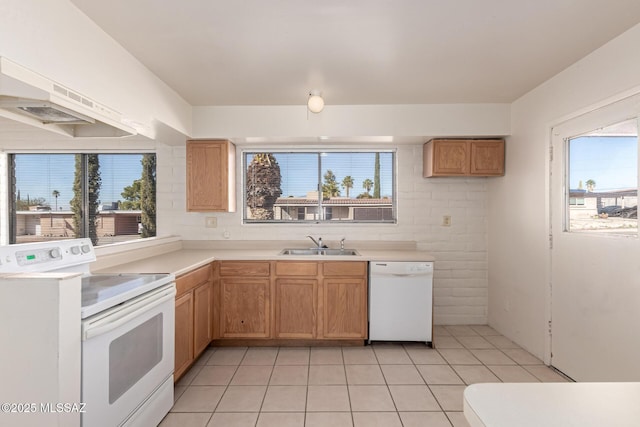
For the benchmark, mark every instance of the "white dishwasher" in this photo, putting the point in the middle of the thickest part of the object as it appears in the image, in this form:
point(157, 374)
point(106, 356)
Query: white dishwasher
point(400, 301)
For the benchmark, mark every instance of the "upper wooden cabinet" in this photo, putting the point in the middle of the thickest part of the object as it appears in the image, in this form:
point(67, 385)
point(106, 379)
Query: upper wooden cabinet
point(211, 176)
point(463, 157)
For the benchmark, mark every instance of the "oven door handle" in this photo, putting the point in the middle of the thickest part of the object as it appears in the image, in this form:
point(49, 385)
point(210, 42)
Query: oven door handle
point(125, 314)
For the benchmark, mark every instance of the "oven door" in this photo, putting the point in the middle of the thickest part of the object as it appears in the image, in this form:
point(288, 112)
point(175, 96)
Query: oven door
point(127, 354)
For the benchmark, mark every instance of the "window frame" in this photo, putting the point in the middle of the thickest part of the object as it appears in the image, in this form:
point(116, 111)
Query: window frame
point(9, 207)
point(320, 207)
point(583, 126)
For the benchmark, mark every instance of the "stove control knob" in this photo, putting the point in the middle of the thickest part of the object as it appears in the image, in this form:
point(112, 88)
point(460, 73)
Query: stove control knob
point(75, 250)
point(54, 253)
point(86, 249)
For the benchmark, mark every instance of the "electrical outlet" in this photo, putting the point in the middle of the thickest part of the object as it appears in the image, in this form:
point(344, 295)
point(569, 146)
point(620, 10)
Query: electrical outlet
point(211, 222)
point(446, 221)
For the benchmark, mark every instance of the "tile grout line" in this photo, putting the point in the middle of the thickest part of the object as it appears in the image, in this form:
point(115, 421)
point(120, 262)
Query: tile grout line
point(377, 355)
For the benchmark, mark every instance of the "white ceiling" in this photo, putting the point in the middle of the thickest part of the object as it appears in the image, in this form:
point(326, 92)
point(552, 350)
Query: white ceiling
point(257, 52)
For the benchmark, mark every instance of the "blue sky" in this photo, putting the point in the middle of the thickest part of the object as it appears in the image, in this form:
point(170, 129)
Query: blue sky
point(611, 161)
point(38, 175)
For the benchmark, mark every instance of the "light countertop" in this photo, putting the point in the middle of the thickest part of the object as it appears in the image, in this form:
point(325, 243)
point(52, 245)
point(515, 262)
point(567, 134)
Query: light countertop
point(553, 404)
point(183, 260)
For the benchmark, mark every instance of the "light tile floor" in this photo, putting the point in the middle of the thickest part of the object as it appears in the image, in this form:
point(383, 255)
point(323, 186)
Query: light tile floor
point(383, 384)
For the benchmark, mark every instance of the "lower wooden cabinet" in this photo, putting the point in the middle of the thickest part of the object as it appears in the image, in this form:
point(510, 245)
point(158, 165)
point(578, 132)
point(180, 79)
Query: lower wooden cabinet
point(291, 300)
point(184, 334)
point(245, 309)
point(296, 306)
point(202, 317)
point(324, 300)
point(344, 308)
point(344, 300)
point(193, 317)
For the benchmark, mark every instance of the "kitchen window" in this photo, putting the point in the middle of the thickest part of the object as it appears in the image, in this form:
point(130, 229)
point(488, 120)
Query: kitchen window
point(603, 180)
point(104, 196)
point(328, 186)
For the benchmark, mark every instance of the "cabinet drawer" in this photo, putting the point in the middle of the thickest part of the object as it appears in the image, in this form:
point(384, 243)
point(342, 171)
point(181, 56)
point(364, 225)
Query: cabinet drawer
point(192, 279)
point(294, 268)
point(245, 268)
point(344, 268)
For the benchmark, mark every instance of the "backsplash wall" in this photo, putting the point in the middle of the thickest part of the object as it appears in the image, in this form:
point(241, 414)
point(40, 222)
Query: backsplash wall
point(460, 278)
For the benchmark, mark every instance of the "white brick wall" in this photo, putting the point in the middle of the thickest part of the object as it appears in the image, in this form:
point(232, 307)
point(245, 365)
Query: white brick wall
point(460, 278)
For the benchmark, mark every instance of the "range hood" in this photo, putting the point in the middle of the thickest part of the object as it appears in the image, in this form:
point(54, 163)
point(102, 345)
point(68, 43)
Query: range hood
point(30, 98)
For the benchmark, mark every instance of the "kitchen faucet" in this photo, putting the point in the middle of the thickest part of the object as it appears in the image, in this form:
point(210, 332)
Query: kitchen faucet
point(317, 242)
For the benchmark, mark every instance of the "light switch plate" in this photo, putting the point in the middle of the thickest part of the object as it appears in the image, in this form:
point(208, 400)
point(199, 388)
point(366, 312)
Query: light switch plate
point(211, 222)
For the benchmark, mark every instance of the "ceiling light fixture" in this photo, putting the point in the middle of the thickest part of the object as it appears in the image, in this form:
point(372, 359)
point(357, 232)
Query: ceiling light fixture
point(315, 103)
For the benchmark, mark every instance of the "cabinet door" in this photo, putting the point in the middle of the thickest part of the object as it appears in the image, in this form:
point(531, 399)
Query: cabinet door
point(245, 308)
point(201, 318)
point(183, 334)
point(295, 308)
point(450, 157)
point(210, 176)
point(344, 308)
point(487, 157)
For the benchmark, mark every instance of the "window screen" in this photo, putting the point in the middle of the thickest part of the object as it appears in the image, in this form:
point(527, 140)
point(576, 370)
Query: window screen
point(319, 186)
point(107, 197)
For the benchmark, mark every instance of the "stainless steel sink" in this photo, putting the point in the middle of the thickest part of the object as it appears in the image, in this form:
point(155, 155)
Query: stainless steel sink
point(314, 251)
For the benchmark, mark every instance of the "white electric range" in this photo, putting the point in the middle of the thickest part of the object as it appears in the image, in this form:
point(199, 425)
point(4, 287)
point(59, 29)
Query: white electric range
point(127, 332)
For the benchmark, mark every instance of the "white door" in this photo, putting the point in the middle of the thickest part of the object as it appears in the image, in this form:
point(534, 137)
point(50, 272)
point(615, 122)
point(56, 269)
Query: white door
point(595, 275)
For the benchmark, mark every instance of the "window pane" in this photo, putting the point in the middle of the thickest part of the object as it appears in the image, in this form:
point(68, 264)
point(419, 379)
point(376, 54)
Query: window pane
point(107, 197)
point(603, 180)
point(359, 186)
point(328, 186)
point(42, 194)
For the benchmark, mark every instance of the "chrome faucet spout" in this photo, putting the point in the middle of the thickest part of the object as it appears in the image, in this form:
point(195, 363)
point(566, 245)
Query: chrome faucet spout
point(315, 242)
